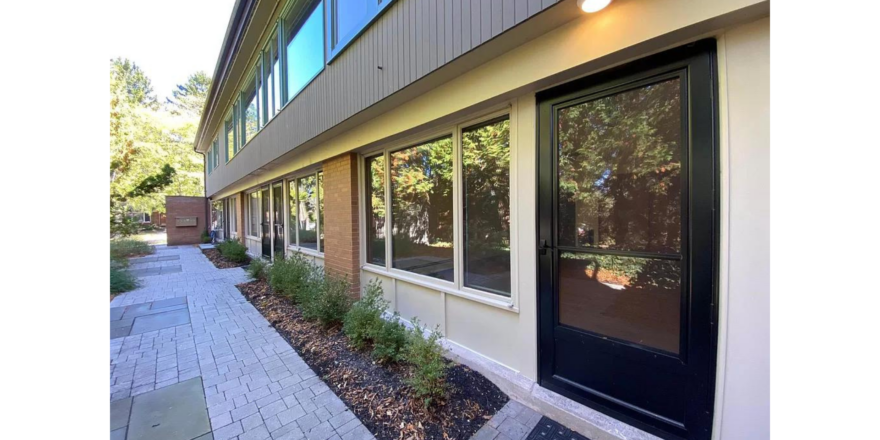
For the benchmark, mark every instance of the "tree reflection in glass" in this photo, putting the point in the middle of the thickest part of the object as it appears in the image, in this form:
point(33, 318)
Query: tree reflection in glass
point(421, 204)
point(375, 200)
point(307, 215)
point(485, 153)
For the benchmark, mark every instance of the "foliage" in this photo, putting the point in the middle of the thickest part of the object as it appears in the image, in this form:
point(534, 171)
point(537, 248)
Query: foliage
point(206, 237)
point(120, 279)
point(332, 301)
point(189, 98)
point(146, 139)
point(258, 269)
point(293, 277)
point(389, 341)
point(233, 250)
point(123, 248)
point(364, 320)
point(428, 379)
point(121, 223)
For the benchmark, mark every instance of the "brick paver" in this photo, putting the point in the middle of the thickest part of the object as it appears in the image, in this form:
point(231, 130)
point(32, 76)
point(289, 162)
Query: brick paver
point(256, 386)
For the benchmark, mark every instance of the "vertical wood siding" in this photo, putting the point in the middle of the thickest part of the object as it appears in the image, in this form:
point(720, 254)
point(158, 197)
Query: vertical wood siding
point(410, 40)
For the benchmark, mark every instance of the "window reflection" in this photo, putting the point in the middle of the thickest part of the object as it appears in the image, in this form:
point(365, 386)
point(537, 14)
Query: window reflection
point(349, 14)
point(294, 207)
point(375, 200)
point(305, 50)
point(620, 171)
point(633, 299)
point(251, 122)
point(421, 202)
point(307, 215)
point(485, 153)
point(254, 212)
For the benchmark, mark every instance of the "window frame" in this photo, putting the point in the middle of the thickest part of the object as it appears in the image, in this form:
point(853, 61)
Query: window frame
point(292, 240)
point(456, 287)
point(241, 138)
point(335, 46)
point(287, 96)
point(232, 216)
point(247, 229)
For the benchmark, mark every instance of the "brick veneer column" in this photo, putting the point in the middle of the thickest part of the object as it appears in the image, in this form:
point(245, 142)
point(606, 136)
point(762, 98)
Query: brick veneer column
point(341, 241)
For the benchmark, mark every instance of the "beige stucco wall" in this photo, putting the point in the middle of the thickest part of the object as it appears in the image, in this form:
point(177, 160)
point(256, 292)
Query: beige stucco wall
point(743, 396)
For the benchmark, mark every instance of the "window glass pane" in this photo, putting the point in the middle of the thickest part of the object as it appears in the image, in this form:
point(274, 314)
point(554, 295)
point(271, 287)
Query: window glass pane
point(349, 15)
point(250, 122)
point(321, 207)
point(236, 115)
point(294, 207)
point(485, 154)
point(421, 204)
point(209, 160)
point(305, 52)
point(276, 84)
point(233, 221)
point(620, 171)
point(217, 220)
point(271, 73)
point(230, 140)
point(254, 213)
point(634, 299)
point(307, 215)
point(260, 98)
point(375, 201)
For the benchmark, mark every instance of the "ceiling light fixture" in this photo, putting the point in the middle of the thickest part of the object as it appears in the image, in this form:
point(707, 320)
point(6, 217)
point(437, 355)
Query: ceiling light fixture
point(590, 6)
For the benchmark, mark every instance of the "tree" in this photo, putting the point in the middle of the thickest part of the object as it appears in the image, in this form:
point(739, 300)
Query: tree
point(189, 98)
point(151, 151)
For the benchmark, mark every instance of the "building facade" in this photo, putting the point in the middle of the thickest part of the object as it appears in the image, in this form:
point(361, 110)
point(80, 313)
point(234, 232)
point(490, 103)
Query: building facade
point(579, 201)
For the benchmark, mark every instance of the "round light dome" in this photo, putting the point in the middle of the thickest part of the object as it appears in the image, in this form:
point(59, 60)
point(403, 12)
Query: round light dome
point(591, 6)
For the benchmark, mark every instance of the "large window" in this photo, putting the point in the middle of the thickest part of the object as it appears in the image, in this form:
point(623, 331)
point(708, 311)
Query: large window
point(230, 138)
point(305, 48)
point(485, 181)
point(420, 191)
point(272, 75)
point(421, 209)
point(232, 214)
point(209, 159)
point(254, 229)
point(306, 211)
point(250, 122)
point(347, 18)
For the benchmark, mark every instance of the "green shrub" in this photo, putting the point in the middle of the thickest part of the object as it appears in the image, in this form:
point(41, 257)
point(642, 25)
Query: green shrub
point(330, 301)
point(429, 366)
point(258, 269)
point(389, 342)
point(364, 320)
point(120, 279)
point(293, 277)
point(206, 237)
point(122, 248)
point(233, 250)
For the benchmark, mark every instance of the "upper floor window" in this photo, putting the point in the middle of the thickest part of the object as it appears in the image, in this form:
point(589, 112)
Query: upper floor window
point(304, 40)
point(347, 18)
point(272, 75)
point(250, 122)
point(209, 159)
point(229, 126)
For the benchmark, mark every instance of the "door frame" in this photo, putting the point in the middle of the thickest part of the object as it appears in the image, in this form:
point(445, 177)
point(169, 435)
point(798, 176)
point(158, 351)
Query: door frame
point(703, 208)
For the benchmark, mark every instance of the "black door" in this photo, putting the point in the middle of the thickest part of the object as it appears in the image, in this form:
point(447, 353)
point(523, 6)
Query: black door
point(278, 219)
point(627, 260)
point(266, 223)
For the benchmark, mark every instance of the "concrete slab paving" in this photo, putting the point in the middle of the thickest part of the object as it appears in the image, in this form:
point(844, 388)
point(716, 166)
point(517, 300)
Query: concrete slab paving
point(177, 412)
point(158, 321)
point(119, 413)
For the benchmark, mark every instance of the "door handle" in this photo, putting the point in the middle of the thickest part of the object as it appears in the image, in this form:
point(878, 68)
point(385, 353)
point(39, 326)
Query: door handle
point(542, 249)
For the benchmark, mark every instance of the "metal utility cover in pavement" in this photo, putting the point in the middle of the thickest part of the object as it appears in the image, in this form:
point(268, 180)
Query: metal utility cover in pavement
point(176, 412)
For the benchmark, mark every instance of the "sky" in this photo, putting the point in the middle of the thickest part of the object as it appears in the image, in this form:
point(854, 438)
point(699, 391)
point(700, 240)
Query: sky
point(169, 39)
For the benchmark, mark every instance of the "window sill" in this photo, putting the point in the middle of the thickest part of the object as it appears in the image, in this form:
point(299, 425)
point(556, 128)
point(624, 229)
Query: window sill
point(496, 301)
point(306, 251)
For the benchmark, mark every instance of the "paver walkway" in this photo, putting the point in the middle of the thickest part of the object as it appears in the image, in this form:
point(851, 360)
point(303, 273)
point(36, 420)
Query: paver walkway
point(254, 385)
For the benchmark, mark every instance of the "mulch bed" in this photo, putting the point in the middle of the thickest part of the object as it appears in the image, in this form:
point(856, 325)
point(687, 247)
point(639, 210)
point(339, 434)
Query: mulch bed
point(376, 394)
point(220, 262)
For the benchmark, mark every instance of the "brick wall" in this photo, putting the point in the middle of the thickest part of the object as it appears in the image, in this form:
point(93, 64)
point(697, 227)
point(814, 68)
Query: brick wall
point(341, 243)
point(181, 206)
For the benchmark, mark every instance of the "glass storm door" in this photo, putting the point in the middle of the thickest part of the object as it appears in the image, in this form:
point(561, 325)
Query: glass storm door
point(278, 219)
point(265, 222)
point(626, 251)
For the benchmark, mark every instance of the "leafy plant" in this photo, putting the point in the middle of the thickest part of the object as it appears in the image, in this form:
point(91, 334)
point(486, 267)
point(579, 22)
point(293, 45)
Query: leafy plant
point(428, 379)
point(292, 277)
point(389, 341)
point(233, 250)
point(206, 237)
point(364, 320)
point(120, 279)
point(122, 248)
point(332, 301)
point(258, 269)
